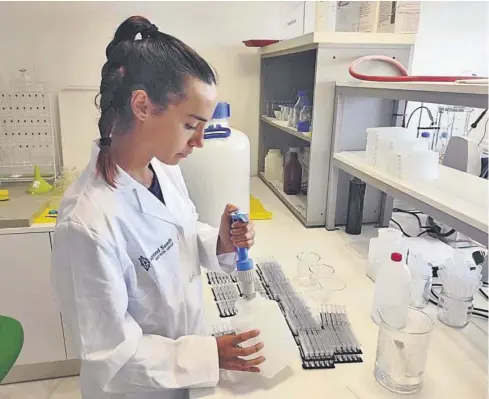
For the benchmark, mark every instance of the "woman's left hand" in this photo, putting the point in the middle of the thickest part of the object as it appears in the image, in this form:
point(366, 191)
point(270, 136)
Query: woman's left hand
point(232, 235)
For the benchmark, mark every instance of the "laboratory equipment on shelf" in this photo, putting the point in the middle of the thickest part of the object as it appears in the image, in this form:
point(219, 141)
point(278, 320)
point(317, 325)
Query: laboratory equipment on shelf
point(392, 287)
point(219, 173)
point(292, 173)
point(305, 119)
point(304, 159)
point(302, 100)
point(402, 348)
point(274, 168)
point(257, 313)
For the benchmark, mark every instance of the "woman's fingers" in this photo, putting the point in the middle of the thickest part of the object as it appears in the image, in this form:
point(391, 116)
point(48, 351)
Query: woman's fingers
point(245, 336)
point(244, 365)
point(248, 351)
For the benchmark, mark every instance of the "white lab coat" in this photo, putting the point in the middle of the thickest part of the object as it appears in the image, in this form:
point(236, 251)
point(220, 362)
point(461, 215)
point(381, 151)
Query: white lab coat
point(126, 270)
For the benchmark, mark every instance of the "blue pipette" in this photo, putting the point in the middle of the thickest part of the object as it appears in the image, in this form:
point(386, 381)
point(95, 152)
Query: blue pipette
point(244, 265)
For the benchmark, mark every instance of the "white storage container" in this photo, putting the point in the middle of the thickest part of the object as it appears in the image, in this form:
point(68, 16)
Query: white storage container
point(392, 287)
point(219, 173)
point(274, 161)
point(280, 349)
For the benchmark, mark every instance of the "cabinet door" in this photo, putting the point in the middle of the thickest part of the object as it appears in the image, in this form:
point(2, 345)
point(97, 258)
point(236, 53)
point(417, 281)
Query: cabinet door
point(26, 295)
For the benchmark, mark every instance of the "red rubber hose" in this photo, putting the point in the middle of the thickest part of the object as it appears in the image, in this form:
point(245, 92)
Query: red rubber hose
point(404, 78)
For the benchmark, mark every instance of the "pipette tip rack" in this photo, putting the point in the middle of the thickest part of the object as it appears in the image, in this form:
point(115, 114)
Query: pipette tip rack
point(323, 341)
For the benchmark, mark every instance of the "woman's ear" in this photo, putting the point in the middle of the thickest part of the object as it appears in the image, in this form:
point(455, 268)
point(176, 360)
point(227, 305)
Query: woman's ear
point(140, 104)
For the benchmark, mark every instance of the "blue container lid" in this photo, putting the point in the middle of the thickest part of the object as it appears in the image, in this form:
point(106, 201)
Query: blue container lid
point(222, 111)
point(301, 93)
point(425, 134)
point(444, 134)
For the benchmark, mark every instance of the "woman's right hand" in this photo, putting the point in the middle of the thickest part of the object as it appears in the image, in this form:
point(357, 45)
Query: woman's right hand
point(230, 353)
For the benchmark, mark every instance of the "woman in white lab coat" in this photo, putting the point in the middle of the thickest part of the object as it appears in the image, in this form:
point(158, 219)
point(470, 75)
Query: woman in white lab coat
point(128, 248)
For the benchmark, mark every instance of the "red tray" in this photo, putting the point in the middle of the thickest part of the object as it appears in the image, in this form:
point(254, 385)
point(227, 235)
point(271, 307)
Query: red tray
point(259, 43)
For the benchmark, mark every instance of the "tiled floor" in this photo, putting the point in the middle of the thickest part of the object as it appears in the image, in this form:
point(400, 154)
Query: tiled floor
point(60, 388)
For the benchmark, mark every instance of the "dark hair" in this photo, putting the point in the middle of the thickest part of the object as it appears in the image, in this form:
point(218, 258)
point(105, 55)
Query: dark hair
point(157, 63)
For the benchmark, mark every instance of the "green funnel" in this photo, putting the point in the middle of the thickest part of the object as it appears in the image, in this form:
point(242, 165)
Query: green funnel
point(39, 185)
point(11, 342)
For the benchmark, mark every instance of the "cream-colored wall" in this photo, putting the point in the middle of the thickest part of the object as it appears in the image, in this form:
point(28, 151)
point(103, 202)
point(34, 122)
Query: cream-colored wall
point(66, 43)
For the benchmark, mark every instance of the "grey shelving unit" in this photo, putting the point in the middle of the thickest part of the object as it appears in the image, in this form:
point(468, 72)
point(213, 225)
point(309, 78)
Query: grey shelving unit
point(314, 63)
point(456, 198)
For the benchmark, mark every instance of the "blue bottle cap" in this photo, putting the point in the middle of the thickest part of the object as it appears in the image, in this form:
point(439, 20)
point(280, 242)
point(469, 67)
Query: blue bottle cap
point(444, 135)
point(222, 111)
point(425, 134)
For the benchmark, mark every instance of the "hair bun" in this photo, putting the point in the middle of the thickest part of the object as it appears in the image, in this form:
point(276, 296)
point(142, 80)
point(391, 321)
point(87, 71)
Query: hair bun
point(146, 32)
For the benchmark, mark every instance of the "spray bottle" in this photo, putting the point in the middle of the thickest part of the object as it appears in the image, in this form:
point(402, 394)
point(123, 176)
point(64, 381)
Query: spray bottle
point(258, 313)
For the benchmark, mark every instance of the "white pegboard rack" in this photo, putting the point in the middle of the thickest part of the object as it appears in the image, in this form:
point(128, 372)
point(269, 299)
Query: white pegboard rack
point(26, 134)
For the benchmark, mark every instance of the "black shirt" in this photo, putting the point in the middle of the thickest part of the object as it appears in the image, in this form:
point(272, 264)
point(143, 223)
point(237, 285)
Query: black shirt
point(155, 187)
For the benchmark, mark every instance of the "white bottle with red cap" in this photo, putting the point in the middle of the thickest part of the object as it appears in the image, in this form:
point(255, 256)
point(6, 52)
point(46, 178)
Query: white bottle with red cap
point(392, 286)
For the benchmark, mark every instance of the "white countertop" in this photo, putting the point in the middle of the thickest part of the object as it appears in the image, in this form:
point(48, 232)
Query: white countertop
point(457, 360)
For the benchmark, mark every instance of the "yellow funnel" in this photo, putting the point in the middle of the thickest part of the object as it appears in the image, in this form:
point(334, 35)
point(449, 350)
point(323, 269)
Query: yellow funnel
point(39, 185)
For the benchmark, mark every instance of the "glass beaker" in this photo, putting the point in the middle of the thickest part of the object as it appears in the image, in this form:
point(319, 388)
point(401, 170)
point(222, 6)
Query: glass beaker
point(402, 349)
point(454, 311)
point(318, 273)
point(420, 290)
point(305, 260)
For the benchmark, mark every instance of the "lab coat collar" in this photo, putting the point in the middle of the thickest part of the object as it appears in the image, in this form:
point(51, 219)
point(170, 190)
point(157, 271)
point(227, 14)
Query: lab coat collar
point(148, 203)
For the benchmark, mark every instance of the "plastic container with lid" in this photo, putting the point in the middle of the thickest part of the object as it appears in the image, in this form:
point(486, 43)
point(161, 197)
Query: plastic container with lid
point(392, 287)
point(274, 165)
point(219, 173)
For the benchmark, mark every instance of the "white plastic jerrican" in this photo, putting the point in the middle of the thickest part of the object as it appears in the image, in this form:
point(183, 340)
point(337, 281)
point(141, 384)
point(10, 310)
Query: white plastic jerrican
point(219, 174)
point(380, 249)
point(279, 350)
point(392, 288)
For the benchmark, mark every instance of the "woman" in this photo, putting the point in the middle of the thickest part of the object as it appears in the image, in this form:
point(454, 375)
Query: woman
point(128, 247)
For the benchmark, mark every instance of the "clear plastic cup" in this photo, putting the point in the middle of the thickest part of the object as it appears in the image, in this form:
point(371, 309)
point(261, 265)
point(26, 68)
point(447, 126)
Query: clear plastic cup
point(402, 349)
point(306, 260)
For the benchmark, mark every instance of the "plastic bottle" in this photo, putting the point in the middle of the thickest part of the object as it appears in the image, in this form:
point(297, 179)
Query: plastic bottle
point(301, 101)
point(279, 348)
point(442, 143)
point(305, 118)
point(392, 288)
point(274, 165)
point(304, 160)
point(427, 139)
point(292, 173)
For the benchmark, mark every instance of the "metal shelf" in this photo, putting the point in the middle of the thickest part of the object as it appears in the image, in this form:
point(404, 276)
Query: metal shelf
point(282, 125)
point(296, 203)
point(463, 209)
point(318, 39)
point(468, 95)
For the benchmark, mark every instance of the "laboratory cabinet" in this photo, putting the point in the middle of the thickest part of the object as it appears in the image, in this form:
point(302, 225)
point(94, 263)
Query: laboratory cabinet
point(26, 295)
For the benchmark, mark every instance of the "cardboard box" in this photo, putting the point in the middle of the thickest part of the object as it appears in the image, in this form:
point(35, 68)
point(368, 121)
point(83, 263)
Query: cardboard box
point(398, 16)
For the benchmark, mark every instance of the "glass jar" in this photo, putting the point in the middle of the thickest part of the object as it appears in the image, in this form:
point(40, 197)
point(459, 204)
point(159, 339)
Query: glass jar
point(420, 290)
point(454, 311)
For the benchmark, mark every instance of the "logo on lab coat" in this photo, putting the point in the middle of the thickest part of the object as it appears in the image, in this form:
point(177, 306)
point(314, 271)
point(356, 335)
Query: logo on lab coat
point(145, 262)
point(160, 251)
